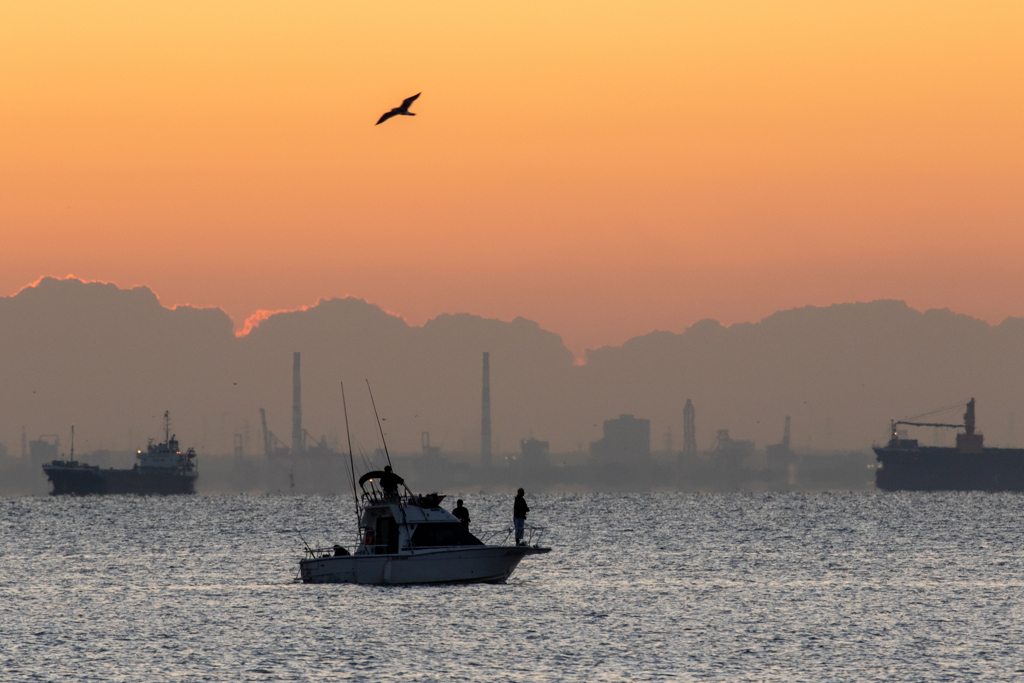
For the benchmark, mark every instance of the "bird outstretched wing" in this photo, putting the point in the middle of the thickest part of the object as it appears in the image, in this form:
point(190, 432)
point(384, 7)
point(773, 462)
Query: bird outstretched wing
point(409, 100)
point(404, 109)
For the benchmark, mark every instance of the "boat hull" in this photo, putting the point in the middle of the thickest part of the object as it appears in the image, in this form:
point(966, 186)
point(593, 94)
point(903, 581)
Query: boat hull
point(85, 480)
point(474, 564)
point(927, 468)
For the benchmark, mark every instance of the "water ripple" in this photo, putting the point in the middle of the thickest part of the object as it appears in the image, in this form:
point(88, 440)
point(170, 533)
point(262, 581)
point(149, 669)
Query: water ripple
point(857, 587)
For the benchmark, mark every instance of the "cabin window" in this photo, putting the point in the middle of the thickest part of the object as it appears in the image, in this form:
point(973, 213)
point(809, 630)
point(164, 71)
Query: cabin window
point(428, 535)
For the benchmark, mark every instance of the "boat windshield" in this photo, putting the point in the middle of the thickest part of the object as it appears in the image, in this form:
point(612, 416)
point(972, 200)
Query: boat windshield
point(428, 535)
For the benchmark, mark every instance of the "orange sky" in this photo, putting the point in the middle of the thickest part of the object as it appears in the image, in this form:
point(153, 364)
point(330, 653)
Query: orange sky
point(603, 168)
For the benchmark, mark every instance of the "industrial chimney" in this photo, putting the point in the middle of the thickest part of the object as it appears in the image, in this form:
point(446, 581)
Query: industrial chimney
point(298, 442)
point(485, 419)
point(689, 431)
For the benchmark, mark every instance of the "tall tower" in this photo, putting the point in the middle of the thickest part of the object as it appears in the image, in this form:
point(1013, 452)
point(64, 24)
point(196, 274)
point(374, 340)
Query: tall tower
point(689, 430)
point(297, 441)
point(485, 418)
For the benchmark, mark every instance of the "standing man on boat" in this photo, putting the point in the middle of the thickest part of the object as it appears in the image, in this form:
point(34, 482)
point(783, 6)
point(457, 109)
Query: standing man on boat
point(462, 514)
point(519, 510)
point(390, 481)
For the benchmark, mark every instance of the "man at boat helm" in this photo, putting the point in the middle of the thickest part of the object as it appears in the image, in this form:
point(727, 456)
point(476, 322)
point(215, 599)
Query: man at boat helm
point(390, 482)
point(519, 510)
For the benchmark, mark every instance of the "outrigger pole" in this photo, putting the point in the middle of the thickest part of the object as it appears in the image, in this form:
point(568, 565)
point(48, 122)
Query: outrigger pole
point(388, 455)
point(351, 461)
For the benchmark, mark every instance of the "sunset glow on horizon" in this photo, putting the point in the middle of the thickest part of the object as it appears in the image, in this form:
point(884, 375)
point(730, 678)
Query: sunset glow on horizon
point(604, 169)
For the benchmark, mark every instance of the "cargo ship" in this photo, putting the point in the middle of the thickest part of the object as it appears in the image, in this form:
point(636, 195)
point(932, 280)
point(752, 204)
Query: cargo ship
point(162, 469)
point(905, 465)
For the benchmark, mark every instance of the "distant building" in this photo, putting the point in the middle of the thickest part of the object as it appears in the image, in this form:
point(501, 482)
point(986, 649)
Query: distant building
point(533, 452)
point(689, 432)
point(319, 449)
point(781, 454)
point(44, 449)
point(729, 451)
point(626, 439)
point(428, 450)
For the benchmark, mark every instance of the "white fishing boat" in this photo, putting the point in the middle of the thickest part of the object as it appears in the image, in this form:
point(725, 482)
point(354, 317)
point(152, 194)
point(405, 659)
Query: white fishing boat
point(405, 538)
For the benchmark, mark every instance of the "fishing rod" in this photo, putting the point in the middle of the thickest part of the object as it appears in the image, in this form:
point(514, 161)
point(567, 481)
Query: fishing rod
point(401, 507)
point(388, 455)
point(303, 539)
point(351, 459)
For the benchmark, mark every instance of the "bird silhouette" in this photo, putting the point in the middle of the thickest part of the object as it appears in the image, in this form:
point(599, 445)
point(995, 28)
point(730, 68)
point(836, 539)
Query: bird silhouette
point(399, 111)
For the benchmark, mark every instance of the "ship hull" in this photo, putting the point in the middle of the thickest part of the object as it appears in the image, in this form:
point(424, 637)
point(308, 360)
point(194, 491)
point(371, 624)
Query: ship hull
point(946, 469)
point(479, 564)
point(86, 480)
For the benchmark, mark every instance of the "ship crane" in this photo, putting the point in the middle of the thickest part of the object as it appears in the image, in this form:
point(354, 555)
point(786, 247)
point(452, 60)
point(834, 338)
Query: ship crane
point(928, 424)
point(967, 426)
point(896, 423)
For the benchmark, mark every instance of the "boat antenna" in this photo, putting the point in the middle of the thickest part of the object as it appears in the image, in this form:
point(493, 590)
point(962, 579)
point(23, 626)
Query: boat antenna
point(167, 427)
point(351, 460)
point(72, 443)
point(388, 455)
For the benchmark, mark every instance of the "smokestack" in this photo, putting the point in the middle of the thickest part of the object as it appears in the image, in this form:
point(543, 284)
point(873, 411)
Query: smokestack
point(689, 430)
point(297, 440)
point(485, 419)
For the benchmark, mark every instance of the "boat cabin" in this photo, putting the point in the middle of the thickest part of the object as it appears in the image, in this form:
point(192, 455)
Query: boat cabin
point(393, 524)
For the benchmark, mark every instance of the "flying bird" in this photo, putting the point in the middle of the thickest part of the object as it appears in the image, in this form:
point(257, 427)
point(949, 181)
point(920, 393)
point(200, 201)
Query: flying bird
point(400, 111)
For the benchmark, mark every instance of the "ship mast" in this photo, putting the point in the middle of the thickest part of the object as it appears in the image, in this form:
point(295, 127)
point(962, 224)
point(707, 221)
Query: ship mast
point(167, 427)
point(72, 444)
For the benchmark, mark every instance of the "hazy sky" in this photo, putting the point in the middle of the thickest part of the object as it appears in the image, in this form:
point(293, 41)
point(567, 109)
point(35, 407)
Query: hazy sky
point(603, 168)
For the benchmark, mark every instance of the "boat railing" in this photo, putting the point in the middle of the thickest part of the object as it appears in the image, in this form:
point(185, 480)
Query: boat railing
point(531, 536)
point(501, 537)
point(333, 551)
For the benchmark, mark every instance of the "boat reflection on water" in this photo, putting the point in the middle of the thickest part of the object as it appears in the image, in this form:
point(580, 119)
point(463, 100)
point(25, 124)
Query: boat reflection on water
point(407, 539)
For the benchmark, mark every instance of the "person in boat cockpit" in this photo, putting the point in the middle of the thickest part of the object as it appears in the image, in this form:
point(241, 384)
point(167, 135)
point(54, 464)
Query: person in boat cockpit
point(390, 482)
point(462, 514)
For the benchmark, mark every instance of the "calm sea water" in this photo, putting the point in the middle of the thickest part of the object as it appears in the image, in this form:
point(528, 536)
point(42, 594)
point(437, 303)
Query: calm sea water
point(639, 587)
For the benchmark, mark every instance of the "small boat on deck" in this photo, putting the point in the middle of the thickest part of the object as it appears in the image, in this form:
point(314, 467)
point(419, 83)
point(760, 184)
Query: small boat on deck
point(410, 539)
